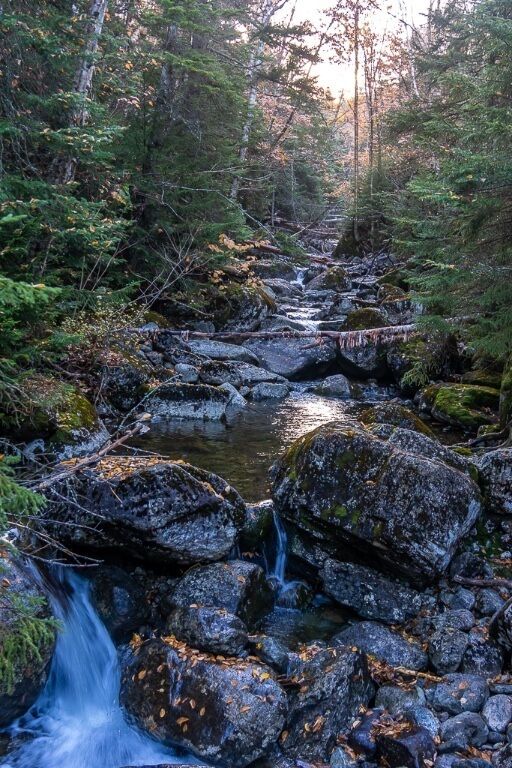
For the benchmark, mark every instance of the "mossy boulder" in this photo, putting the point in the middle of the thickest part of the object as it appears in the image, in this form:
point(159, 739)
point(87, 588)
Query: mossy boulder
point(27, 638)
point(244, 307)
point(466, 406)
point(266, 268)
point(350, 490)
point(149, 509)
point(395, 414)
point(389, 292)
point(334, 279)
point(364, 318)
point(421, 358)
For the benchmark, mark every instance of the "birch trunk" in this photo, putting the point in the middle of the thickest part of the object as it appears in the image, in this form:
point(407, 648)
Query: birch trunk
point(83, 81)
point(356, 123)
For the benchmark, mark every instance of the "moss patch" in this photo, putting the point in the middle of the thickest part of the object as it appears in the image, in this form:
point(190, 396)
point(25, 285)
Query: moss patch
point(361, 319)
point(463, 405)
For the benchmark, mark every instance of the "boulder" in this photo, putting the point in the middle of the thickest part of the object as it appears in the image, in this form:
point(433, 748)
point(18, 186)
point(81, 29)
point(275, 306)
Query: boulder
point(283, 288)
point(408, 746)
point(148, 508)
point(216, 372)
point(188, 401)
point(293, 358)
point(423, 445)
point(495, 470)
point(335, 685)
point(123, 384)
point(333, 279)
point(219, 350)
point(210, 629)
point(500, 627)
point(483, 656)
point(458, 693)
point(27, 639)
point(412, 360)
point(252, 374)
point(377, 640)
point(462, 405)
point(404, 510)
point(274, 268)
point(503, 758)
point(245, 307)
point(268, 391)
point(364, 362)
point(463, 731)
point(334, 386)
point(396, 700)
point(497, 713)
point(364, 318)
point(236, 586)
point(446, 650)
point(368, 593)
point(396, 415)
point(119, 600)
point(224, 711)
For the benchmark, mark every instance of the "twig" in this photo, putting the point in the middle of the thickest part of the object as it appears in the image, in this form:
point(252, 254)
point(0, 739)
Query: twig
point(506, 583)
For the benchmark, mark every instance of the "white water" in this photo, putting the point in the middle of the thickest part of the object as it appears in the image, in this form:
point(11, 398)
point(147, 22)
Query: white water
point(77, 721)
point(279, 570)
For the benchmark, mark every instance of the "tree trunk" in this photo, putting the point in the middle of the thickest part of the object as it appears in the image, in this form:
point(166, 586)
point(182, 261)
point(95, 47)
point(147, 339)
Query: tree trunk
point(83, 82)
point(356, 123)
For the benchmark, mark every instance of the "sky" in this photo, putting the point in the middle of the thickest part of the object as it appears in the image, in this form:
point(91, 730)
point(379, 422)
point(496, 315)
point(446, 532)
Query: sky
point(334, 76)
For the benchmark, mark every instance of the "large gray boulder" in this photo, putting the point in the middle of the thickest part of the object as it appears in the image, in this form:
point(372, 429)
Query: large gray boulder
point(149, 508)
point(495, 470)
point(347, 489)
point(219, 350)
point(227, 712)
point(294, 358)
point(188, 401)
point(26, 639)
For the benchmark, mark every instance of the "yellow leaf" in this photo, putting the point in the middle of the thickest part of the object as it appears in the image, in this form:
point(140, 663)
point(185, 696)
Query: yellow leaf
point(162, 713)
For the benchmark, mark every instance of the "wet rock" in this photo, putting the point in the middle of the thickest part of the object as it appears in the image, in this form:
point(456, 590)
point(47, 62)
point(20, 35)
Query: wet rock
point(368, 362)
point(120, 601)
point(238, 587)
point(462, 405)
point(210, 629)
point(334, 278)
point(386, 645)
point(216, 372)
point(495, 470)
point(406, 749)
point(188, 401)
point(482, 656)
point(252, 375)
point(488, 602)
point(279, 323)
point(500, 627)
point(398, 416)
point(446, 650)
point(396, 507)
point(458, 693)
point(25, 653)
point(334, 386)
point(219, 350)
point(497, 712)
point(370, 594)
point(245, 307)
point(149, 508)
point(334, 686)
point(423, 717)
point(396, 700)
point(266, 391)
point(293, 358)
point(283, 288)
point(238, 707)
point(272, 652)
point(236, 400)
point(258, 524)
point(462, 731)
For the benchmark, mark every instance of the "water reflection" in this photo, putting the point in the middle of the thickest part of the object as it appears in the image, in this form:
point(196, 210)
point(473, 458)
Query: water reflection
point(243, 451)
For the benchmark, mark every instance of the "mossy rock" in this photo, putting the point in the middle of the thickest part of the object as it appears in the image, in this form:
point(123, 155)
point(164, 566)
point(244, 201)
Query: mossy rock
point(157, 318)
point(395, 415)
point(389, 292)
point(396, 278)
point(58, 411)
point(506, 395)
point(362, 319)
point(420, 359)
point(483, 377)
point(334, 279)
point(462, 405)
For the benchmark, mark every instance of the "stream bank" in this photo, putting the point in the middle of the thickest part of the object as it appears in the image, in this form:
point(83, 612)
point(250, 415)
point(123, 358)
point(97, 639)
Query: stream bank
point(335, 624)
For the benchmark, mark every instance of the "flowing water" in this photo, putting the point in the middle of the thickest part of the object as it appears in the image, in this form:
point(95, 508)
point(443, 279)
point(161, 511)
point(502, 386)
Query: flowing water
point(77, 721)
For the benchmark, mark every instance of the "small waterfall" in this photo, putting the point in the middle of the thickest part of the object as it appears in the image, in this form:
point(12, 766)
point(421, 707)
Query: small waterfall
point(77, 721)
point(279, 570)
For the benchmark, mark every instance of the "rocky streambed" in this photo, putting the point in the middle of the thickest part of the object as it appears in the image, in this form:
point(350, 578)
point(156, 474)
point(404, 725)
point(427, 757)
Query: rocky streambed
point(349, 607)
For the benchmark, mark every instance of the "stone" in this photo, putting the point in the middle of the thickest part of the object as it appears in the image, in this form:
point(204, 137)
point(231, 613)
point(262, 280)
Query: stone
point(495, 468)
point(147, 508)
point(483, 656)
point(500, 628)
point(460, 618)
point(446, 650)
point(362, 736)
point(489, 602)
point(252, 374)
point(217, 372)
point(188, 374)
point(368, 362)
point(424, 717)
point(219, 350)
point(236, 586)
point(123, 385)
point(334, 386)
point(334, 278)
point(341, 758)
point(210, 629)
point(294, 358)
point(239, 710)
point(459, 599)
point(399, 416)
point(370, 594)
point(335, 684)
point(467, 729)
point(404, 511)
point(497, 712)
point(381, 642)
point(188, 401)
point(461, 405)
point(235, 398)
point(470, 566)
point(119, 600)
point(269, 391)
point(503, 758)
point(396, 700)
point(406, 749)
point(458, 693)
point(258, 525)
point(272, 652)
point(423, 445)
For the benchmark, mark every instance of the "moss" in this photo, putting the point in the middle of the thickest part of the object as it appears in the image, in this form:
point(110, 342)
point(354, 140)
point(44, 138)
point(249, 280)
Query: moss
point(396, 415)
point(156, 317)
point(378, 529)
point(58, 409)
point(23, 646)
point(483, 377)
point(361, 319)
point(464, 405)
point(338, 511)
point(345, 459)
point(389, 292)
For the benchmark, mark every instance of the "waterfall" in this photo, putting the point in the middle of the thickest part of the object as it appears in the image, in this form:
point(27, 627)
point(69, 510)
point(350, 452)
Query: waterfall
point(279, 570)
point(77, 721)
